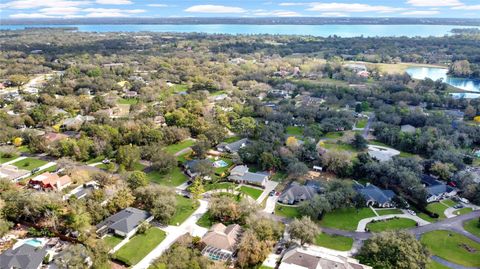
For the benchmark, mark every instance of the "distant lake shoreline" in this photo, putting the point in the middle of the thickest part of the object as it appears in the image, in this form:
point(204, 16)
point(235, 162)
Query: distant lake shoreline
point(324, 30)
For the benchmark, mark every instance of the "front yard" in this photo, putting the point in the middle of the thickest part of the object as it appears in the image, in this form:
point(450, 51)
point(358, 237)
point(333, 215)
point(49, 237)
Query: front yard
point(472, 226)
point(346, 218)
point(391, 225)
point(383, 212)
point(287, 211)
point(172, 179)
point(139, 246)
point(453, 247)
point(4, 159)
point(336, 242)
point(185, 208)
point(252, 192)
point(111, 241)
point(172, 149)
point(206, 221)
point(29, 163)
point(462, 211)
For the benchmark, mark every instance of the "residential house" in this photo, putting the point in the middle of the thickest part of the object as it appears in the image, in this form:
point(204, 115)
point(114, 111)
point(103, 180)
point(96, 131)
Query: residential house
point(375, 196)
point(82, 190)
point(407, 128)
point(54, 137)
point(382, 154)
point(356, 67)
point(436, 190)
point(221, 241)
point(25, 256)
point(304, 258)
point(296, 193)
point(240, 174)
point(124, 223)
point(308, 101)
point(76, 122)
point(13, 173)
point(50, 181)
point(233, 147)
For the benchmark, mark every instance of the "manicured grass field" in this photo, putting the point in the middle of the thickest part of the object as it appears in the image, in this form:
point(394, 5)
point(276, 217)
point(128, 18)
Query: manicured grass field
point(361, 123)
point(206, 221)
point(173, 179)
point(391, 211)
point(462, 211)
point(220, 186)
point(29, 163)
point(5, 159)
point(231, 139)
point(127, 101)
point(453, 247)
point(437, 208)
point(449, 202)
point(391, 225)
point(111, 241)
point(436, 265)
point(252, 192)
point(138, 167)
point(139, 246)
point(337, 242)
point(185, 208)
point(217, 93)
point(472, 226)
point(333, 135)
point(287, 211)
point(172, 149)
point(346, 218)
point(294, 130)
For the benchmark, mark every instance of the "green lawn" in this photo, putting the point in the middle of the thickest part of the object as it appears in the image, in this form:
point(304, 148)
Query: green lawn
point(96, 159)
point(449, 202)
point(453, 247)
point(217, 93)
point(252, 192)
point(172, 149)
point(29, 163)
point(111, 241)
point(175, 178)
point(472, 226)
point(138, 166)
point(185, 208)
point(294, 130)
point(5, 159)
point(287, 211)
point(139, 246)
point(222, 170)
point(337, 242)
point(265, 267)
point(462, 211)
point(437, 208)
point(127, 101)
point(436, 265)
point(333, 135)
point(231, 139)
point(279, 176)
point(220, 186)
point(391, 225)
point(361, 123)
point(384, 212)
point(179, 88)
point(346, 218)
point(206, 221)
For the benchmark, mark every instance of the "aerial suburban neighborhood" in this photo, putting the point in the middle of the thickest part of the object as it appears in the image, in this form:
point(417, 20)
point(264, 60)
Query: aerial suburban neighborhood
point(187, 150)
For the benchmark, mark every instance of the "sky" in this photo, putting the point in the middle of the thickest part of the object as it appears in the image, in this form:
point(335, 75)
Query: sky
point(238, 8)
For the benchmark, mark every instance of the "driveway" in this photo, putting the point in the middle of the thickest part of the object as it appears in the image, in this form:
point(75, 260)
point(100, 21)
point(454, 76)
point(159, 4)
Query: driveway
point(362, 224)
point(270, 204)
point(270, 186)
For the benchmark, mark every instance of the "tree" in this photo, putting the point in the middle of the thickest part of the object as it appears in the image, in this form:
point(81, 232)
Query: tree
point(390, 249)
point(316, 207)
point(163, 162)
point(269, 161)
point(337, 163)
point(292, 143)
point(123, 198)
point(297, 169)
point(202, 147)
point(137, 179)
point(303, 229)
point(128, 156)
point(73, 257)
point(159, 200)
point(18, 80)
point(461, 68)
point(196, 189)
point(442, 170)
point(224, 208)
point(244, 126)
point(203, 167)
point(251, 251)
point(359, 142)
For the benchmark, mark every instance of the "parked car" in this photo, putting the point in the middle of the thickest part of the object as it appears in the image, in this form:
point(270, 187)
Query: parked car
point(272, 193)
point(411, 212)
point(458, 206)
point(106, 161)
point(279, 251)
point(34, 170)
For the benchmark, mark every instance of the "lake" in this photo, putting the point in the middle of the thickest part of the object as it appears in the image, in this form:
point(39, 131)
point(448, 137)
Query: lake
point(435, 73)
point(313, 30)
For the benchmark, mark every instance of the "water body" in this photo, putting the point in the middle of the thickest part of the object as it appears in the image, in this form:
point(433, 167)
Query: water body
point(313, 30)
point(435, 73)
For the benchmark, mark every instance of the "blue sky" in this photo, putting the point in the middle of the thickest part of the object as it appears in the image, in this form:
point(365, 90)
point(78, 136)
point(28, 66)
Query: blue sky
point(237, 8)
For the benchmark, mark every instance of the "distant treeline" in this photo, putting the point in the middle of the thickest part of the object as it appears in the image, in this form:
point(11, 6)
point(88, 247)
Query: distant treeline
point(470, 31)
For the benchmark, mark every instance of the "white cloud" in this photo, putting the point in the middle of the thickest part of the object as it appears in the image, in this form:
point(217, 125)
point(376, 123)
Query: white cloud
point(421, 12)
point(333, 14)
point(114, 2)
point(472, 7)
point(29, 4)
point(157, 5)
point(60, 10)
point(290, 4)
point(113, 10)
point(354, 7)
point(276, 13)
point(434, 3)
point(30, 16)
point(215, 9)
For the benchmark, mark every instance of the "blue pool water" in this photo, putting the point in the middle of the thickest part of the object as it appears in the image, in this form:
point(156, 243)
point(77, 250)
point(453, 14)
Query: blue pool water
point(34, 242)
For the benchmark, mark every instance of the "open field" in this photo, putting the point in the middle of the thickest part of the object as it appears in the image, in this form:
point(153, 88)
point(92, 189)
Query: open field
point(173, 179)
point(346, 218)
point(112, 240)
point(29, 163)
point(391, 211)
point(391, 225)
point(453, 247)
point(139, 246)
point(472, 226)
point(294, 131)
point(336, 242)
point(172, 149)
point(398, 68)
point(7, 159)
point(287, 211)
point(127, 101)
point(185, 208)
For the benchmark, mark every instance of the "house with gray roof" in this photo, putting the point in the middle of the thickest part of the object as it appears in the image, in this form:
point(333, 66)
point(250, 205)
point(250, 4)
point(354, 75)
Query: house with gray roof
point(375, 196)
point(124, 223)
point(233, 147)
point(296, 193)
point(25, 257)
point(436, 190)
point(240, 174)
point(407, 128)
point(309, 258)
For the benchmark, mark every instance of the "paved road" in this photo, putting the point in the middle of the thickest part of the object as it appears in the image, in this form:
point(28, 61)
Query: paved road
point(367, 127)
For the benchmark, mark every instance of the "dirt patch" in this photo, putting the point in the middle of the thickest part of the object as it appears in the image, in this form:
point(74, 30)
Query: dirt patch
point(468, 248)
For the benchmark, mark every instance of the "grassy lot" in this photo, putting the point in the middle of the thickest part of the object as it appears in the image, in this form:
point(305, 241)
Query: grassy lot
point(389, 211)
point(287, 211)
point(462, 211)
point(111, 241)
point(217, 93)
point(231, 139)
point(346, 219)
point(127, 101)
point(172, 149)
point(179, 88)
point(252, 192)
point(5, 159)
point(361, 123)
point(264, 267)
point(437, 208)
point(337, 242)
point(449, 202)
point(279, 176)
point(95, 160)
point(453, 247)
point(139, 246)
point(436, 265)
point(175, 178)
point(333, 135)
point(473, 227)
point(185, 208)
point(220, 186)
point(138, 167)
point(29, 163)
point(294, 130)
point(391, 224)
point(206, 221)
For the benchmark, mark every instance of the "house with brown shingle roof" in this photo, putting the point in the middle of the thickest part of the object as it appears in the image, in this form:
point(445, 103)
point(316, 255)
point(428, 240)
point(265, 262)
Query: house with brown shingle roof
point(304, 258)
point(221, 241)
point(50, 181)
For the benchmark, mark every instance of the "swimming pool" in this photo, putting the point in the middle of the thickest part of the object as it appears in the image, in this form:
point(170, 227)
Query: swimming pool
point(220, 163)
point(34, 242)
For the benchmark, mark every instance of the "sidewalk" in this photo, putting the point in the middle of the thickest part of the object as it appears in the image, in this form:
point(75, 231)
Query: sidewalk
point(14, 160)
point(362, 224)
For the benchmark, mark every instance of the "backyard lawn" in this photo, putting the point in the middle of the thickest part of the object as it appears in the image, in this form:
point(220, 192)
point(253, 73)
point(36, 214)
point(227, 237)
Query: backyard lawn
point(383, 212)
point(206, 221)
point(139, 246)
point(472, 226)
point(361, 123)
point(252, 192)
point(449, 202)
point(173, 179)
point(185, 208)
point(294, 130)
point(453, 247)
point(172, 149)
point(346, 218)
point(111, 241)
point(391, 225)
point(337, 242)
point(29, 163)
point(333, 135)
point(462, 211)
point(220, 186)
point(231, 139)
point(287, 211)
point(127, 101)
point(437, 208)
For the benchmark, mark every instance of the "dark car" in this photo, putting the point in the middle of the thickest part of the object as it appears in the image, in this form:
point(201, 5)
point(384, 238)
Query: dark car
point(35, 170)
point(272, 193)
point(279, 251)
